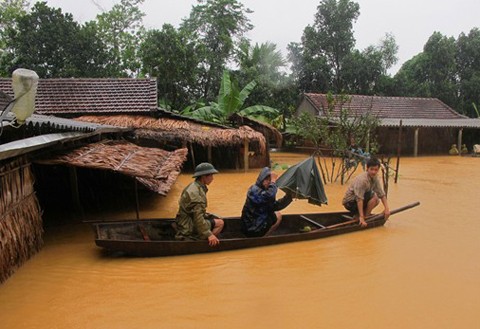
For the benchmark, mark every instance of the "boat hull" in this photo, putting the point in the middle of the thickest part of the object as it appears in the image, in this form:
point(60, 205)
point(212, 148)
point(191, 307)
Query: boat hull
point(129, 238)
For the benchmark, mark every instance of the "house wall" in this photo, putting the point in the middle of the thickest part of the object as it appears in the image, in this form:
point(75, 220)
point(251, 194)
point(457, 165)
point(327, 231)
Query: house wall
point(431, 141)
point(21, 226)
point(305, 107)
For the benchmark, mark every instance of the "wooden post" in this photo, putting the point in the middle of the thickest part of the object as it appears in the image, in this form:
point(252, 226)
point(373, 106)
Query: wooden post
point(245, 154)
point(209, 153)
point(415, 143)
point(193, 155)
point(74, 188)
point(460, 133)
point(399, 150)
point(137, 203)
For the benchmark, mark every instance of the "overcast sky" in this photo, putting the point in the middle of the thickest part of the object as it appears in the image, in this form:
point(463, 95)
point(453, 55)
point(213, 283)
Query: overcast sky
point(412, 22)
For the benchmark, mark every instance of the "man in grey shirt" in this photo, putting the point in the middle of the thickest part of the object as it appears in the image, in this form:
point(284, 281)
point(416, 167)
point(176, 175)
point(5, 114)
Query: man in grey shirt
point(365, 193)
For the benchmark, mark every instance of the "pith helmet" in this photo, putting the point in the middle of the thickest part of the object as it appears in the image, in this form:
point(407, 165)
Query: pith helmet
point(204, 168)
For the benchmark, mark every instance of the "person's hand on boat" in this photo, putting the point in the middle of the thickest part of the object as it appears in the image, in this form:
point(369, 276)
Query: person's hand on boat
point(386, 213)
point(213, 240)
point(363, 223)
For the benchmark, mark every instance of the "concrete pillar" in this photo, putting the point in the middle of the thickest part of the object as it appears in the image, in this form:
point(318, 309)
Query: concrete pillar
point(415, 143)
point(459, 146)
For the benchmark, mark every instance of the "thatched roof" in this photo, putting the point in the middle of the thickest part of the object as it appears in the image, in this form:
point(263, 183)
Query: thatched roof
point(186, 131)
point(155, 168)
point(266, 129)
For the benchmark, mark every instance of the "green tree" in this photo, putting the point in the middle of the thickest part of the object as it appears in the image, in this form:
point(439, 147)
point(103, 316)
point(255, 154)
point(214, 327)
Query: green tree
point(45, 42)
point(310, 71)
point(468, 68)
point(10, 12)
point(90, 60)
point(432, 73)
point(54, 45)
point(363, 71)
point(331, 36)
point(121, 31)
point(171, 57)
point(262, 63)
point(217, 26)
point(440, 51)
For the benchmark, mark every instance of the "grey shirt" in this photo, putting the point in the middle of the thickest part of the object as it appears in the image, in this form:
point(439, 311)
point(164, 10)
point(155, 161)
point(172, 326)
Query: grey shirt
point(361, 184)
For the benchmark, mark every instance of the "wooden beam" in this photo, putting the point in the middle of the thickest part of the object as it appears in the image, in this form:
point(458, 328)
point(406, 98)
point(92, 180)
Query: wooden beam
point(193, 155)
point(72, 171)
point(245, 154)
point(137, 203)
point(415, 143)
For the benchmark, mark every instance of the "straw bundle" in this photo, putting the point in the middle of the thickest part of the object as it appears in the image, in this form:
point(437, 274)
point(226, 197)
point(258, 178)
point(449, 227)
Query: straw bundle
point(20, 217)
point(153, 167)
point(183, 130)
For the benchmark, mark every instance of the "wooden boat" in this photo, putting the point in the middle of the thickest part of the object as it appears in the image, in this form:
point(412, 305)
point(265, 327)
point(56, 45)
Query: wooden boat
point(155, 237)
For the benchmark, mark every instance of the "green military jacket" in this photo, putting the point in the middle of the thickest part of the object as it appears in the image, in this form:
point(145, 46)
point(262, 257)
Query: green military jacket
point(191, 217)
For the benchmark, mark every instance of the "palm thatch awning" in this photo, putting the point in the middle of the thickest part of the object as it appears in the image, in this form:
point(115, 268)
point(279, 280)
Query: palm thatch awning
point(155, 168)
point(269, 131)
point(186, 131)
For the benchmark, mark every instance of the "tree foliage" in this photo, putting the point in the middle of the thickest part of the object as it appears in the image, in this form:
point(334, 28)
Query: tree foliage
point(218, 26)
point(45, 41)
point(10, 13)
point(121, 30)
point(171, 56)
point(327, 60)
point(468, 68)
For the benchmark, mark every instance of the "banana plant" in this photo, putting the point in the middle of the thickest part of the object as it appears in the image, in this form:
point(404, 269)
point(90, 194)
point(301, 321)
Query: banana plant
point(230, 100)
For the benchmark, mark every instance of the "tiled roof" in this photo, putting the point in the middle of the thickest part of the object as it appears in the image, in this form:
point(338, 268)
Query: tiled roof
point(93, 96)
point(390, 107)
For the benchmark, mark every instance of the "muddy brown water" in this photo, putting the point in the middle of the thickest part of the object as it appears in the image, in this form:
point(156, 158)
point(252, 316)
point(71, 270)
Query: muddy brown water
point(422, 270)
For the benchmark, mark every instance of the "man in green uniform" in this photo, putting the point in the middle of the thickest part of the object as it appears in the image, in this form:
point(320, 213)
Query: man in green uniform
point(365, 193)
point(192, 220)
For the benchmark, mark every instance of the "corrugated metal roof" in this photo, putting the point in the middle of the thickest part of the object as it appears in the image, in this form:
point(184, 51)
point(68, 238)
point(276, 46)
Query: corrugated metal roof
point(434, 123)
point(27, 145)
point(71, 124)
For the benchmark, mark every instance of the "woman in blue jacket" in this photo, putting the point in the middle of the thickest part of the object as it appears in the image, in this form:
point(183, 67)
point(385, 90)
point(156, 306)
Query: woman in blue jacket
point(260, 214)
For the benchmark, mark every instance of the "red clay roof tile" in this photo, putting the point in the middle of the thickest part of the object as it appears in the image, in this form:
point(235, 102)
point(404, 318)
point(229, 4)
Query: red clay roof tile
point(390, 107)
point(99, 96)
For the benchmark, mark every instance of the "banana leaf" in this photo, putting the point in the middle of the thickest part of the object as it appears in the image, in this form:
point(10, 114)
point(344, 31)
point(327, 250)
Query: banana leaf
point(303, 181)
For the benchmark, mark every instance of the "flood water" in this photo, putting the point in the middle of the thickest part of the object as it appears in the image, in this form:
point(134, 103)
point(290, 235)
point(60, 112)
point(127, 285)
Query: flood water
point(421, 270)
